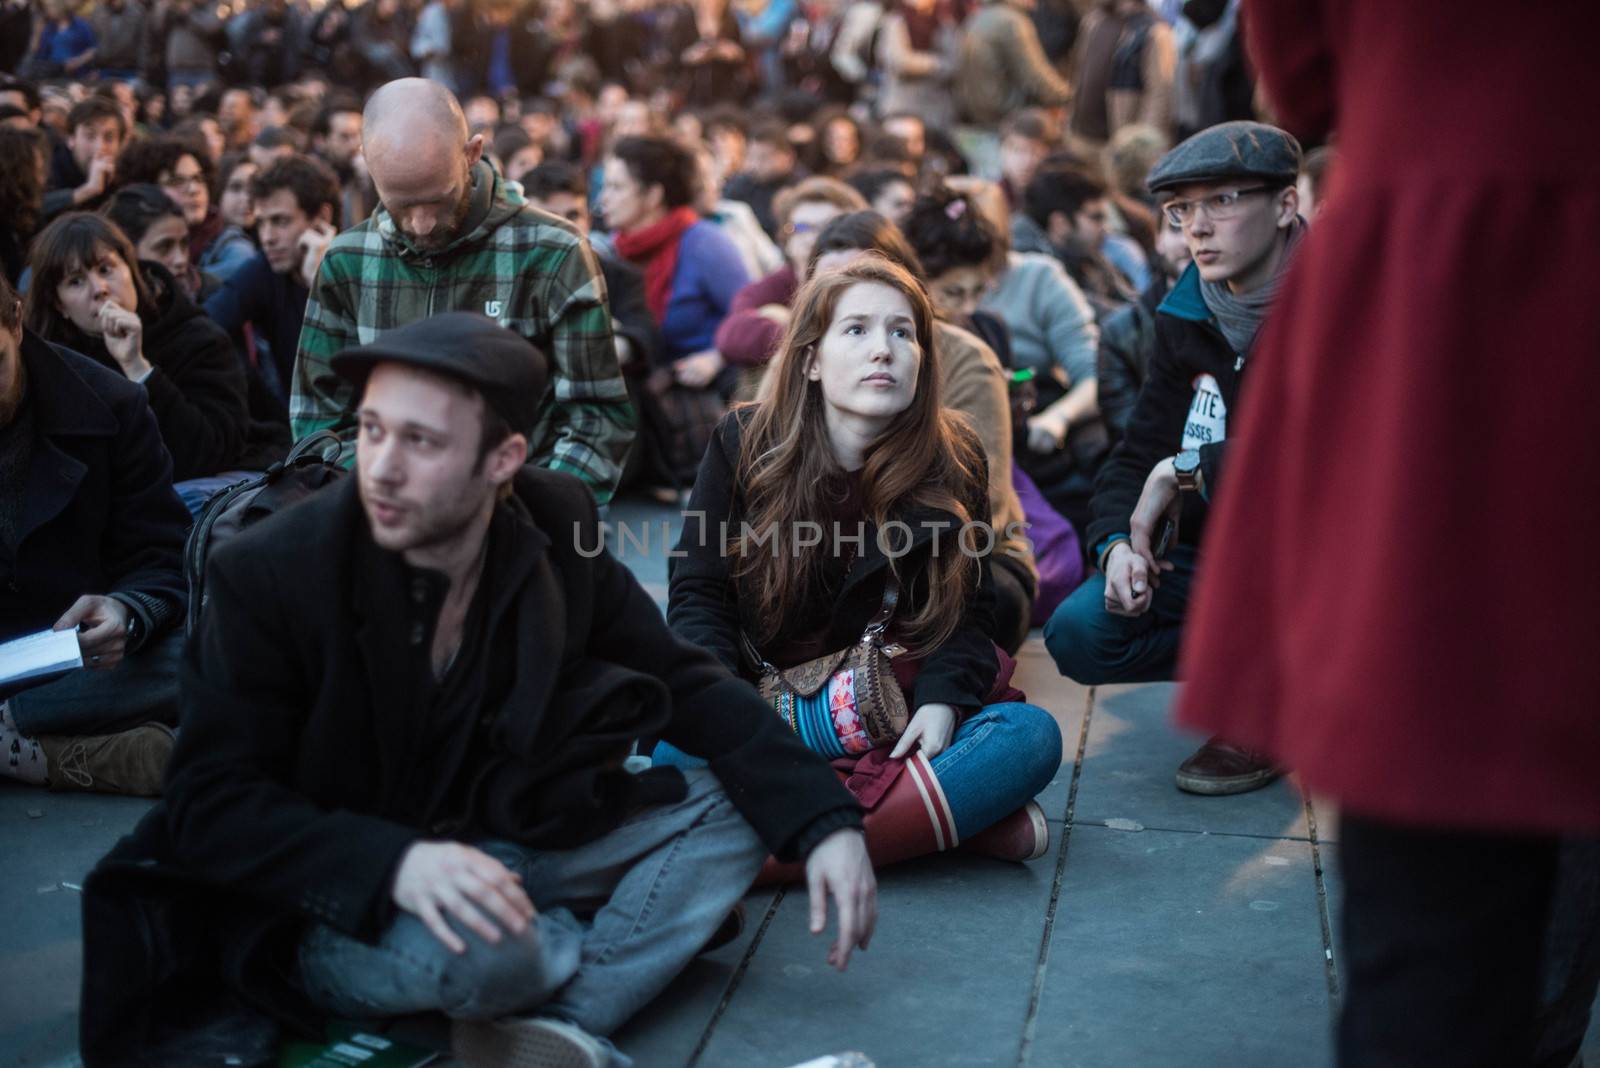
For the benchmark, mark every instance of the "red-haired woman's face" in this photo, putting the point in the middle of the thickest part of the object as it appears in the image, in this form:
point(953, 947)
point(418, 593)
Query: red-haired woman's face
point(868, 359)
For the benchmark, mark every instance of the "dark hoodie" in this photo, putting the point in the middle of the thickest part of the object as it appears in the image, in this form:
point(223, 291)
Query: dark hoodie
point(197, 384)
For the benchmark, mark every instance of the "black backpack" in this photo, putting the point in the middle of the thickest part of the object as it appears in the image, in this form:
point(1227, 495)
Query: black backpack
point(300, 474)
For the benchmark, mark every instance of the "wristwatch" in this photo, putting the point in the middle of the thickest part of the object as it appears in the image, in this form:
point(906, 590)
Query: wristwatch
point(1186, 465)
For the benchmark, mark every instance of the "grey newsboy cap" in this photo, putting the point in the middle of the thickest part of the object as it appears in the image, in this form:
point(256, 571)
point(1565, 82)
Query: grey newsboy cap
point(1229, 150)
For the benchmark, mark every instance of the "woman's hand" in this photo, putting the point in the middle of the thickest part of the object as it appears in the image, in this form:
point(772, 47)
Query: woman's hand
point(932, 727)
point(124, 338)
point(699, 370)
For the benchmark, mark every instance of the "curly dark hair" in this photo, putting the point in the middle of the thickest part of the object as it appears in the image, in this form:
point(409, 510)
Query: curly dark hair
point(144, 160)
point(1060, 189)
point(661, 161)
point(21, 192)
point(310, 180)
point(948, 231)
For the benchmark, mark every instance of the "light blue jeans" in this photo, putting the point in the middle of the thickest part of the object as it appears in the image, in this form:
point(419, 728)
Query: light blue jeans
point(652, 892)
point(1000, 758)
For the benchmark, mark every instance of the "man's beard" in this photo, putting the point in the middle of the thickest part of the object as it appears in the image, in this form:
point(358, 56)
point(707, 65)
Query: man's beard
point(443, 236)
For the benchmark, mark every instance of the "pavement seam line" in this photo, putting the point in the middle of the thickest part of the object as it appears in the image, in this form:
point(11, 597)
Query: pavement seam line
point(1099, 825)
point(1329, 964)
point(735, 979)
point(1030, 1023)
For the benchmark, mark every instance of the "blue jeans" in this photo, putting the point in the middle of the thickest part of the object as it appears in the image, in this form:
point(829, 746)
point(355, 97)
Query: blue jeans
point(196, 493)
point(1001, 756)
point(142, 688)
point(651, 893)
point(1093, 647)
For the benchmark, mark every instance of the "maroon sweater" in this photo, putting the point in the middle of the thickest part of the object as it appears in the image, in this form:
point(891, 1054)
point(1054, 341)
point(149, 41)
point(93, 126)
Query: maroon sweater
point(746, 337)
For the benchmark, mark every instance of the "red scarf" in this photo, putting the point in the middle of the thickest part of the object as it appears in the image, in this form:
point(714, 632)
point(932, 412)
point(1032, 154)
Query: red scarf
point(656, 246)
point(201, 236)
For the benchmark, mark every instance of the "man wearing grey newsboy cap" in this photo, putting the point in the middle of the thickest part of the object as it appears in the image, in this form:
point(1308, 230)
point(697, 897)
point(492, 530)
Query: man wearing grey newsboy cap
point(1230, 189)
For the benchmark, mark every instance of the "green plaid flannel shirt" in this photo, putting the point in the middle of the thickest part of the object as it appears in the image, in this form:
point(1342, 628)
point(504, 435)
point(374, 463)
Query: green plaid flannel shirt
point(524, 269)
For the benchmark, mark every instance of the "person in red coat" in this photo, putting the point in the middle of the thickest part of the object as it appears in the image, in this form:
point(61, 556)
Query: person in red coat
point(1399, 595)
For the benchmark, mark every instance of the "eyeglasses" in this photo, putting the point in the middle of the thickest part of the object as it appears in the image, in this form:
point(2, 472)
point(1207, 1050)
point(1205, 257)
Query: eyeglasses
point(800, 228)
point(1219, 206)
point(183, 181)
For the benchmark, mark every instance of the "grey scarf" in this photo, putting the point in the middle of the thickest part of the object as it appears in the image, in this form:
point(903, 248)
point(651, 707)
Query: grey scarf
point(1239, 315)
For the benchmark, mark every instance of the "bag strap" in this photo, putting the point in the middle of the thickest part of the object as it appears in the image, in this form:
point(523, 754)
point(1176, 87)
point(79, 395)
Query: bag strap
point(891, 600)
point(316, 445)
point(875, 629)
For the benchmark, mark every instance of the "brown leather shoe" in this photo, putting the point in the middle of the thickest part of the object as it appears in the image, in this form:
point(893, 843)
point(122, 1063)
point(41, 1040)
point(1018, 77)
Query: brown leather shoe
point(1023, 835)
point(1219, 768)
point(131, 762)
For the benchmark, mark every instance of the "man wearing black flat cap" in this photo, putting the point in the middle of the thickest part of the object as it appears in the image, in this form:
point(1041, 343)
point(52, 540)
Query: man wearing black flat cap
point(1231, 189)
point(401, 785)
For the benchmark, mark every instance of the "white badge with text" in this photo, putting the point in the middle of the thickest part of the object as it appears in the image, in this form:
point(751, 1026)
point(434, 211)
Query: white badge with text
point(1208, 415)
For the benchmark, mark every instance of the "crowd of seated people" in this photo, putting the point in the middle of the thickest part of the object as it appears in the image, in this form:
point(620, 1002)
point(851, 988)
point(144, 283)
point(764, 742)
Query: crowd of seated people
point(791, 278)
point(279, 221)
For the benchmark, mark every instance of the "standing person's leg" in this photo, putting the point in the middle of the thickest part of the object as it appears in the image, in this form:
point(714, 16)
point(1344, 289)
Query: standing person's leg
point(1443, 941)
point(1093, 647)
point(1571, 955)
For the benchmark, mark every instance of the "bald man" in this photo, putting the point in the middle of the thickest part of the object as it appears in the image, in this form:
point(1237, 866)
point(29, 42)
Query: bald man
point(449, 236)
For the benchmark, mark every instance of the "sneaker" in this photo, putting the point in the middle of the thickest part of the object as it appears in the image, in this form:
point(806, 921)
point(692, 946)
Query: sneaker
point(526, 1042)
point(131, 762)
point(1219, 768)
point(1023, 835)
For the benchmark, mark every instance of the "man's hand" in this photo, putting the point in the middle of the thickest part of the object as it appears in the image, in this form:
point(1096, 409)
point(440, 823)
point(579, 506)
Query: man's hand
point(1047, 432)
point(104, 637)
point(314, 244)
point(698, 371)
point(436, 878)
point(932, 726)
point(123, 332)
point(1128, 590)
point(101, 170)
point(1160, 500)
point(839, 866)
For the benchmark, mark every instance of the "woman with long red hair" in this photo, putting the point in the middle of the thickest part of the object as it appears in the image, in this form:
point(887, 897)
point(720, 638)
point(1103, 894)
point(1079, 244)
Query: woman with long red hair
point(849, 473)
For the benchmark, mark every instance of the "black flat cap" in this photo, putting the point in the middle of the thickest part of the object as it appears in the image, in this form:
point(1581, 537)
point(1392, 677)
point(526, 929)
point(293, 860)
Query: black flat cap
point(1229, 150)
point(499, 363)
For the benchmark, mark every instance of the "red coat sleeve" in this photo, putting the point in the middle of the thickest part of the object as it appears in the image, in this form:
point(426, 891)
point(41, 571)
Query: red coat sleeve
point(746, 337)
point(1291, 47)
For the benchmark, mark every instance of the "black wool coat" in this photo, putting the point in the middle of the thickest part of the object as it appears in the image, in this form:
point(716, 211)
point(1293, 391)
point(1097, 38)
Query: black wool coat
point(704, 608)
point(290, 795)
point(197, 384)
point(99, 514)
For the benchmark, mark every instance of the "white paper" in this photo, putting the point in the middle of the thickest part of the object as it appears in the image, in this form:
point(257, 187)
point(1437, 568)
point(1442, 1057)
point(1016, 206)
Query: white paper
point(48, 652)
